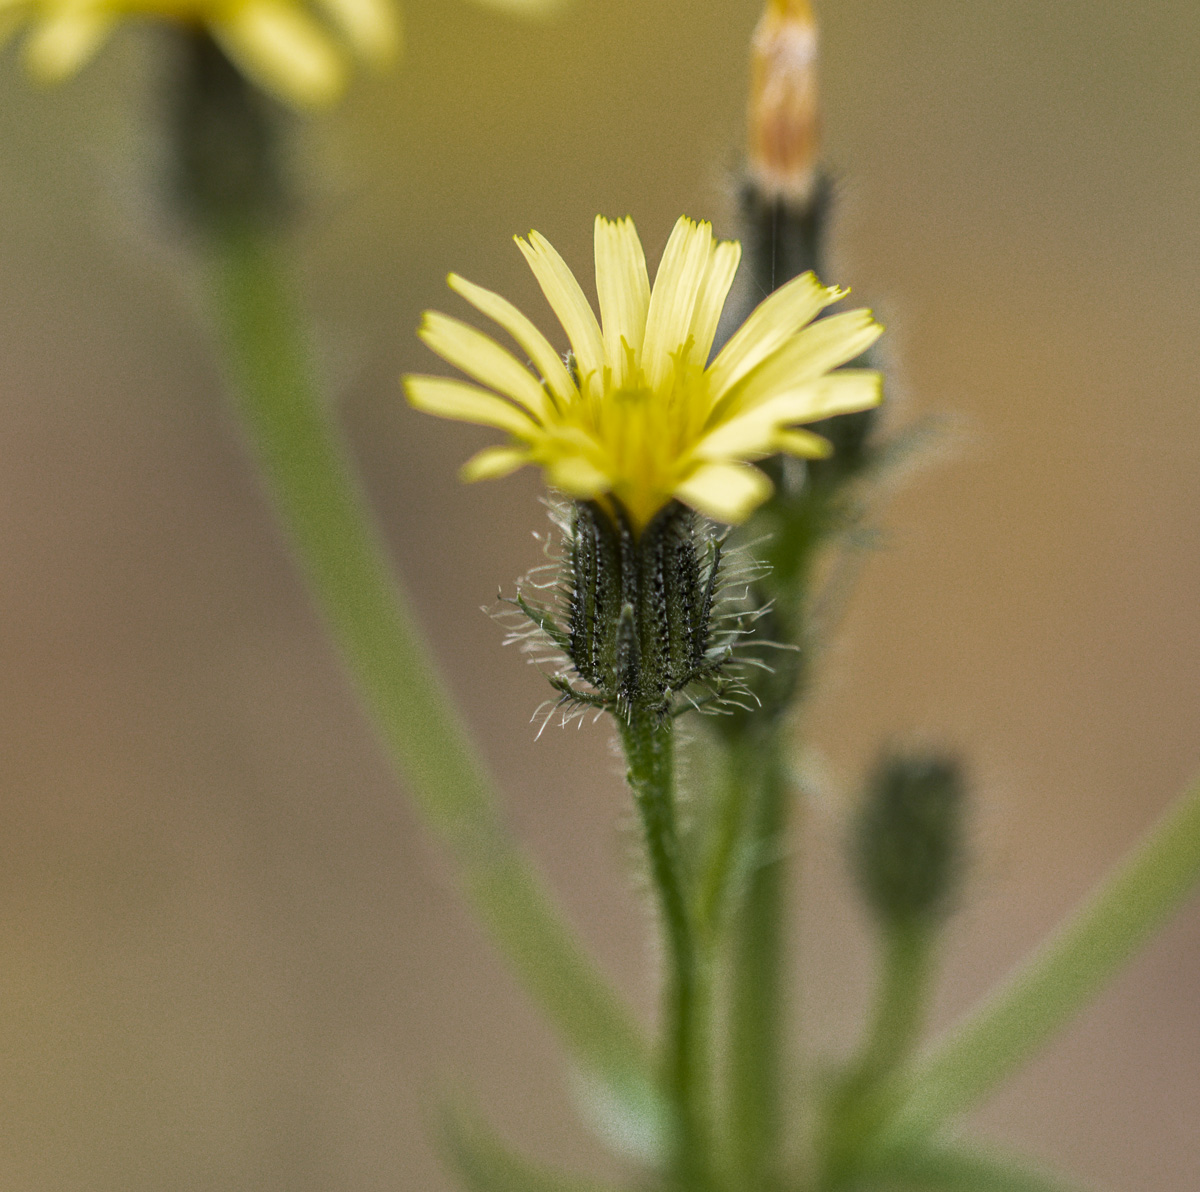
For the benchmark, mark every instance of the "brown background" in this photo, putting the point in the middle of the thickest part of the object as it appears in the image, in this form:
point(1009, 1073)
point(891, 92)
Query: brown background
point(228, 957)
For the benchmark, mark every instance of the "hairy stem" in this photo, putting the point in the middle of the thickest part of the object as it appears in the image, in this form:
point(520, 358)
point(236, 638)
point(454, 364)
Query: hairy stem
point(756, 1034)
point(649, 748)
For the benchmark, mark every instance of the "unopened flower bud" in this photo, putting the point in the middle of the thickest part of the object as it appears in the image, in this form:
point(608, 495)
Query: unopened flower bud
point(784, 118)
point(223, 153)
point(909, 838)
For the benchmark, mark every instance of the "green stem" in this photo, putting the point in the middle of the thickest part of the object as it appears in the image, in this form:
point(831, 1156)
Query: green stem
point(305, 466)
point(900, 1004)
point(862, 1099)
point(719, 873)
point(648, 740)
point(1063, 975)
point(756, 979)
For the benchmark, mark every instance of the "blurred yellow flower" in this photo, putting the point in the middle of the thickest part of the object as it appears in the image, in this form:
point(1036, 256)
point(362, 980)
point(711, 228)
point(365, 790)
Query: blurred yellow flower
point(637, 412)
point(300, 50)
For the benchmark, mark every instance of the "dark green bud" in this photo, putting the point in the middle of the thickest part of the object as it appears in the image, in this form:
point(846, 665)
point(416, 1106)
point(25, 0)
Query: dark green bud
point(635, 616)
point(783, 239)
point(222, 139)
point(908, 842)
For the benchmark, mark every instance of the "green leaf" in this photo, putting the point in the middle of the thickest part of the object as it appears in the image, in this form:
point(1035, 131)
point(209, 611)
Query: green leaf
point(484, 1163)
point(947, 1167)
point(1062, 976)
point(630, 1116)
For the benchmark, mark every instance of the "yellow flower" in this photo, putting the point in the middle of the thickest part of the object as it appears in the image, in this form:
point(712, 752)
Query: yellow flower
point(296, 49)
point(635, 414)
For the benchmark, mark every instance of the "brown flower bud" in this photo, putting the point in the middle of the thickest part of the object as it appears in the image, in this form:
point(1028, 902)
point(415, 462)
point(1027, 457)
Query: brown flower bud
point(784, 119)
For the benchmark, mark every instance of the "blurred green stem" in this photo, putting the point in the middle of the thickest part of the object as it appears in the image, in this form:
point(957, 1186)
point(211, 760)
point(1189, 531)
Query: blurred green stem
point(901, 1001)
point(647, 736)
point(305, 465)
point(724, 855)
point(862, 1100)
point(1062, 976)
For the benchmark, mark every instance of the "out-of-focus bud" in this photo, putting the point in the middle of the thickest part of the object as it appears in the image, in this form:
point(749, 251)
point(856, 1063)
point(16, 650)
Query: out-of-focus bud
point(222, 154)
point(784, 117)
point(909, 839)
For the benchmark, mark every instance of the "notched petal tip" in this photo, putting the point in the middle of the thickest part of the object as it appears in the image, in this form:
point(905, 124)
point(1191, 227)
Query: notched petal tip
point(493, 463)
point(482, 359)
point(803, 444)
point(567, 300)
point(457, 400)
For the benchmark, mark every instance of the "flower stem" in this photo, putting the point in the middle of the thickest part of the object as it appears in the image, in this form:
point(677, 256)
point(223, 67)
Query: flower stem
point(901, 1002)
point(1062, 976)
point(647, 736)
point(757, 985)
point(724, 857)
point(305, 466)
point(862, 1099)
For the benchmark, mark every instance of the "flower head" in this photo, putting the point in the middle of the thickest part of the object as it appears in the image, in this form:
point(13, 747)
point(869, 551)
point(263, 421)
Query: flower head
point(638, 413)
point(299, 50)
point(296, 50)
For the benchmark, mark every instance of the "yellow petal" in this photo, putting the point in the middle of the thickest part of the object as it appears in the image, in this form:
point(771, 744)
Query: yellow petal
point(623, 287)
point(754, 430)
point(842, 392)
point(482, 358)
point(567, 301)
point(740, 438)
point(714, 289)
point(770, 325)
point(535, 345)
point(465, 403)
point(673, 300)
point(493, 463)
point(283, 50)
point(817, 349)
point(59, 45)
point(578, 476)
point(802, 443)
point(726, 492)
point(526, 8)
point(372, 27)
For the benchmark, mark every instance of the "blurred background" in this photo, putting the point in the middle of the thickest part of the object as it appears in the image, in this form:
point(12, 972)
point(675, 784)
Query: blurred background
point(229, 958)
